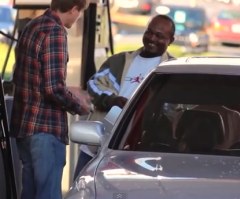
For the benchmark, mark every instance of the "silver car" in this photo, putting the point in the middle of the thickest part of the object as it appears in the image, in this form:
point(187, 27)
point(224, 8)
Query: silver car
point(177, 138)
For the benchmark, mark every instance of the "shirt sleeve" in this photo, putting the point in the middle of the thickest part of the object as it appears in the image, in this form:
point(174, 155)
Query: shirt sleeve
point(99, 88)
point(55, 58)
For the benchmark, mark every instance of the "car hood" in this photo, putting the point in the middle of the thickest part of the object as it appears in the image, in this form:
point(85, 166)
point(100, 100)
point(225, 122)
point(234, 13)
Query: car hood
point(186, 32)
point(170, 176)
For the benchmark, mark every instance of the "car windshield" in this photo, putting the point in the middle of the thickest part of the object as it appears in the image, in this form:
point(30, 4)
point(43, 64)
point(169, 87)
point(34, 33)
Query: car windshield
point(5, 14)
point(183, 18)
point(185, 113)
point(229, 15)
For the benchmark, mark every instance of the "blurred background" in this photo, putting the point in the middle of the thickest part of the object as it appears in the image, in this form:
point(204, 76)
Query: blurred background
point(203, 27)
point(206, 27)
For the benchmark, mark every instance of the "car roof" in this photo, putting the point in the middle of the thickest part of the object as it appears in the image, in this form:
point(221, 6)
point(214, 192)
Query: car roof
point(201, 65)
point(183, 7)
point(230, 7)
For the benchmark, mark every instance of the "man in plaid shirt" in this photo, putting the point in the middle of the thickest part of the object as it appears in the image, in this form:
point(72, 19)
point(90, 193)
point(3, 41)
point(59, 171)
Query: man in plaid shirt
point(42, 100)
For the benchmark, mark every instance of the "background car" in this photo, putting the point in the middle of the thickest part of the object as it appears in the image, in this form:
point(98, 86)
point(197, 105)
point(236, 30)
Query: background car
point(135, 6)
point(177, 136)
point(191, 26)
point(226, 26)
point(7, 21)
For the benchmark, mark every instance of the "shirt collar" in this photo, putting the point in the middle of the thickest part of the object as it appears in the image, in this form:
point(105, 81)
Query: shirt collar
point(53, 15)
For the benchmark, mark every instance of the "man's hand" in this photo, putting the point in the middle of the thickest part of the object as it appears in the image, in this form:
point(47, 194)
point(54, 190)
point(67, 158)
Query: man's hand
point(86, 107)
point(119, 101)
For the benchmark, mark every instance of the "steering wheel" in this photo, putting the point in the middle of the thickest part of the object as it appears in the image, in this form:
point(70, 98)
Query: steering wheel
point(161, 147)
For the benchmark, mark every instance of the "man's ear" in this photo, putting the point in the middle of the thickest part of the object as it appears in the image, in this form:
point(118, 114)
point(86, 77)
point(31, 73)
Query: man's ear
point(172, 40)
point(73, 9)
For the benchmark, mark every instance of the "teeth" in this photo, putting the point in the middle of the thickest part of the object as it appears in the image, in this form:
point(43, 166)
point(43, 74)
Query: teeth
point(150, 44)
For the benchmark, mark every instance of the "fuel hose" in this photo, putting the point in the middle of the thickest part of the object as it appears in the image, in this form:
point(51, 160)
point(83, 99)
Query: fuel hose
point(111, 44)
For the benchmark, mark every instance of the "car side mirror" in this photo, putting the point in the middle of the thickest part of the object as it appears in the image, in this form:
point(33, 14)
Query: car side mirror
point(91, 132)
point(87, 132)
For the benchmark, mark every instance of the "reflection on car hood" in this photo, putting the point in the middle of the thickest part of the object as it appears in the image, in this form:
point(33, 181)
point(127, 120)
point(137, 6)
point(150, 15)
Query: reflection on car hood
point(169, 176)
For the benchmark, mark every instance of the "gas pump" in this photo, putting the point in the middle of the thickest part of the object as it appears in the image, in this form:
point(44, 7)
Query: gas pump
point(90, 41)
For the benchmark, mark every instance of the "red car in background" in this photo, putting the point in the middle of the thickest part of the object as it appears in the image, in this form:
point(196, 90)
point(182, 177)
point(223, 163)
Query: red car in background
point(226, 26)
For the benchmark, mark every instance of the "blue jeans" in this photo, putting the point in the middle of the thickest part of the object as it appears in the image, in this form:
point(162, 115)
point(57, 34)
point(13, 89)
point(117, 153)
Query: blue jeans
point(43, 157)
point(83, 159)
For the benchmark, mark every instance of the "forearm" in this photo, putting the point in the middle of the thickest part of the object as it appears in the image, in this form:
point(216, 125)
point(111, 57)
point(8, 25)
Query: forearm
point(54, 62)
point(102, 100)
point(103, 89)
point(65, 99)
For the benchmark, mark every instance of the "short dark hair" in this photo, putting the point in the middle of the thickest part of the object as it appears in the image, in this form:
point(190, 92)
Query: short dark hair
point(66, 5)
point(167, 18)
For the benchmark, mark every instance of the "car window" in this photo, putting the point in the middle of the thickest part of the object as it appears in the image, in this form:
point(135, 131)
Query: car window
point(185, 113)
point(5, 14)
point(229, 15)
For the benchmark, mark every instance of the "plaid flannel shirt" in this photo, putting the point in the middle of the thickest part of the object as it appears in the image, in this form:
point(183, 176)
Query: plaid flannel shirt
point(41, 99)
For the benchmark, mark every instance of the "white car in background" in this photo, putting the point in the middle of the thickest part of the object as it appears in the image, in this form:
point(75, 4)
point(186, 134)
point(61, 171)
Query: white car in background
point(134, 6)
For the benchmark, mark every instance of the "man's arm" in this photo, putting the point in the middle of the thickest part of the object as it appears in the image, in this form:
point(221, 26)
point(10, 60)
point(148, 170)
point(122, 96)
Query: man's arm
point(54, 62)
point(99, 89)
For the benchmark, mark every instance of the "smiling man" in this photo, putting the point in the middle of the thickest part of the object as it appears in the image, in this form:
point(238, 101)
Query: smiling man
point(121, 74)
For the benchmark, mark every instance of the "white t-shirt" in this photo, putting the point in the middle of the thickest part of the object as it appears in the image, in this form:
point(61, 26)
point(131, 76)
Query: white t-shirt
point(137, 71)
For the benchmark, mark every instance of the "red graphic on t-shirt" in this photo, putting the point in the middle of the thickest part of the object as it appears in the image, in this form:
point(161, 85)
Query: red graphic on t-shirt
point(136, 79)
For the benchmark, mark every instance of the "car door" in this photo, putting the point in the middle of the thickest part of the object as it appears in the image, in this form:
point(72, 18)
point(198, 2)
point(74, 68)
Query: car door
point(179, 154)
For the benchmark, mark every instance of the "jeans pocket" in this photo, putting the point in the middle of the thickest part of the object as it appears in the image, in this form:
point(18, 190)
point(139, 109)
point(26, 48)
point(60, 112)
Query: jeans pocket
point(60, 152)
point(47, 149)
point(36, 146)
